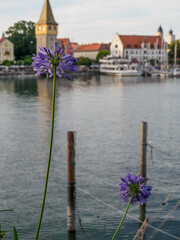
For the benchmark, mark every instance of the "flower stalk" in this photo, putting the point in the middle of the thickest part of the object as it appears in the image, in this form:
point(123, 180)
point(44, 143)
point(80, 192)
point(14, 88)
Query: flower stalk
point(127, 208)
point(50, 153)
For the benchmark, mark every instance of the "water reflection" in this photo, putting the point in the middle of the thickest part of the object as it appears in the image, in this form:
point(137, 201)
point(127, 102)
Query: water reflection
point(6, 85)
point(25, 87)
point(106, 112)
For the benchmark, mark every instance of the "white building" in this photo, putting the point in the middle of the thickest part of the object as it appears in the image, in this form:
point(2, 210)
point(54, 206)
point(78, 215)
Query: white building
point(140, 48)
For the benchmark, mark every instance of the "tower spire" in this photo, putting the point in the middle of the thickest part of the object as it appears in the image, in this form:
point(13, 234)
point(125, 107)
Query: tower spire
point(46, 14)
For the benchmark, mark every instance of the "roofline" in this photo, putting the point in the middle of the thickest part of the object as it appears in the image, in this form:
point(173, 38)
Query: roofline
point(139, 35)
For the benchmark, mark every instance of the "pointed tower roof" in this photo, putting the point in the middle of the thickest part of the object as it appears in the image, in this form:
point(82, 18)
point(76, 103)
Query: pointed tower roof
point(170, 31)
point(160, 29)
point(47, 15)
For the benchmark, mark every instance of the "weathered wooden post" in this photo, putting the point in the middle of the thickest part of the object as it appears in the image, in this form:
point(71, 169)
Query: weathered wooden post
point(143, 164)
point(71, 185)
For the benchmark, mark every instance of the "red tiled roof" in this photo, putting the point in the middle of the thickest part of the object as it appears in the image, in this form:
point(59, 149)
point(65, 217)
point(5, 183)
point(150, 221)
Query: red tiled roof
point(135, 41)
point(88, 47)
point(64, 41)
point(2, 39)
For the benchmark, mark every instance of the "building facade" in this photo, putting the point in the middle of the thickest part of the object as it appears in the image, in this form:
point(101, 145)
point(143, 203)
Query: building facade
point(6, 50)
point(140, 48)
point(46, 28)
point(90, 50)
point(65, 44)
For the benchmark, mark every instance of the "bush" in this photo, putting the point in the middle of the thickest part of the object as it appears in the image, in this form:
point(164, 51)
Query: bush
point(28, 60)
point(84, 61)
point(7, 63)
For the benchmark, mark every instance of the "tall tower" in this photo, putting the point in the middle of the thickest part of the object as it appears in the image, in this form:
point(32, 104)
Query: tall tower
point(160, 31)
point(46, 28)
point(170, 37)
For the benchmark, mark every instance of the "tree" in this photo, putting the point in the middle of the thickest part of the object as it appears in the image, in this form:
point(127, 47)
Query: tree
point(84, 61)
point(101, 54)
point(171, 48)
point(22, 34)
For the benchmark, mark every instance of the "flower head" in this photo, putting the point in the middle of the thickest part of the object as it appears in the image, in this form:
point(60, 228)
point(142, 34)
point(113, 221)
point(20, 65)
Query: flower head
point(135, 185)
point(47, 61)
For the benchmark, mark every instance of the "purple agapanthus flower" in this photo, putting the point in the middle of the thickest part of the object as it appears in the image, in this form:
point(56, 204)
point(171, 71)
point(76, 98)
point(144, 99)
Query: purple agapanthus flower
point(46, 61)
point(134, 184)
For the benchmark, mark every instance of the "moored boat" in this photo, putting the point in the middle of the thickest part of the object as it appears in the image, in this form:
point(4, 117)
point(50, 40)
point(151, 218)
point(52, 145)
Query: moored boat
point(118, 66)
point(176, 72)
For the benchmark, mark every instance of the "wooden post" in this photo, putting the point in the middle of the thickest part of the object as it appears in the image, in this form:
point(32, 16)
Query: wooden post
point(71, 185)
point(143, 149)
point(143, 164)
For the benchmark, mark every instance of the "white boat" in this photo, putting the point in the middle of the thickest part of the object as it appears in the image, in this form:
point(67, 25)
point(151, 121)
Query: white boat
point(176, 72)
point(118, 66)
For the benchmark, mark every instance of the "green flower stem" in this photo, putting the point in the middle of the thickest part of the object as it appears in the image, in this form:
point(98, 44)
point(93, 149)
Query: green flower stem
point(123, 217)
point(49, 159)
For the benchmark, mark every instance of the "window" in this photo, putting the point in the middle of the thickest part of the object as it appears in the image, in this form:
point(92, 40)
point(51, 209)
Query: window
point(43, 28)
point(136, 46)
point(6, 44)
point(49, 27)
point(54, 28)
point(39, 28)
point(116, 46)
point(128, 45)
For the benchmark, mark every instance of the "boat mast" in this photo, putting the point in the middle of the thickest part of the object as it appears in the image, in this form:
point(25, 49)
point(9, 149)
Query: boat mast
point(175, 53)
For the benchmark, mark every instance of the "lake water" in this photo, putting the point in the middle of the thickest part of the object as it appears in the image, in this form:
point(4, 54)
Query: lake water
point(106, 113)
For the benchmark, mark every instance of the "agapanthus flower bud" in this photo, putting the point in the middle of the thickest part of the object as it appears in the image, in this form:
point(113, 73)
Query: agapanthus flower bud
point(46, 60)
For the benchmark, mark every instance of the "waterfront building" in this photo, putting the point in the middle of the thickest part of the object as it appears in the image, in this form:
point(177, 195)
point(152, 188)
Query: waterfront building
point(66, 45)
point(140, 48)
point(6, 49)
point(90, 50)
point(46, 28)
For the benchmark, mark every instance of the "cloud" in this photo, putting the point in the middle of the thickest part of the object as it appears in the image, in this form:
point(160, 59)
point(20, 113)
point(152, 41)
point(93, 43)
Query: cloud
point(87, 21)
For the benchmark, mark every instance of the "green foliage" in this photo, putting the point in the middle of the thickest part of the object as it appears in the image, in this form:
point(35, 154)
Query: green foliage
point(19, 62)
point(7, 63)
point(84, 61)
point(15, 234)
point(28, 60)
point(2, 233)
point(171, 48)
point(102, 54)
point(152, 61)
point(22, 34)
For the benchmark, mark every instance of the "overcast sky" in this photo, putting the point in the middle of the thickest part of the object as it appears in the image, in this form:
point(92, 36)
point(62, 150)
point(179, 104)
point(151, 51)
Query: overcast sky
point(87, 21)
